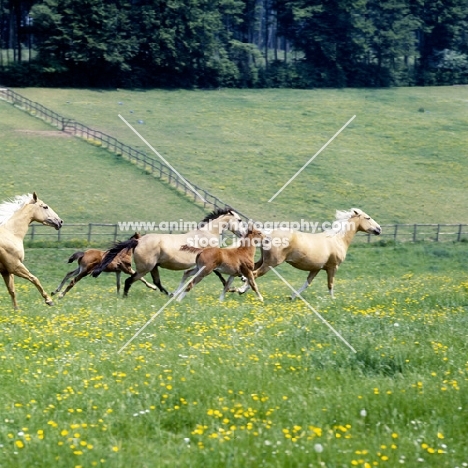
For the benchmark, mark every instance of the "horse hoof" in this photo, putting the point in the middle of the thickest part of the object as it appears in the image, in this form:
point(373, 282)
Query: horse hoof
point(53, 293)
point(50, 303)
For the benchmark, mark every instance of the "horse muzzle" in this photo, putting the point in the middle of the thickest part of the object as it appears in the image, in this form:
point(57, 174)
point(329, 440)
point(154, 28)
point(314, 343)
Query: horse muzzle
point(56, 223)
point(377, 231)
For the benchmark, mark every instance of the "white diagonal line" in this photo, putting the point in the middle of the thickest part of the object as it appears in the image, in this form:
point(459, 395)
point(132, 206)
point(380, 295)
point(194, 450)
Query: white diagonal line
point(312, 158)
point(165, 162)
point(175, 296)
point(314, 311)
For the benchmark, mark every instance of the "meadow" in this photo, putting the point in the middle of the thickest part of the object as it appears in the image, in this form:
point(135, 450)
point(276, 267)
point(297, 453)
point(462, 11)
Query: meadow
point(402, 159)
point(241, 384)
point(82, 182)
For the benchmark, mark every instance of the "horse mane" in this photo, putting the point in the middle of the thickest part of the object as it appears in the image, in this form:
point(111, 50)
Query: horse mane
point(216, 214)
point(9, 207)
point(341, 219)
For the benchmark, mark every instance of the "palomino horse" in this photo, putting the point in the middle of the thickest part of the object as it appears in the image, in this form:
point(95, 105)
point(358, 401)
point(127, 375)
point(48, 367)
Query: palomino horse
point(163, 250)
point(15, 217)
point(314, 252)
point(90, 258)
point(238, 261)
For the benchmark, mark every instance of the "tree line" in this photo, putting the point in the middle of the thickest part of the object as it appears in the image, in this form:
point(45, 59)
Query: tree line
point(233, 43)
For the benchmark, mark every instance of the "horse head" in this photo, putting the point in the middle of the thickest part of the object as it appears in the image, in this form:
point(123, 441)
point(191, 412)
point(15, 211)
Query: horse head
point(364, 222)
point(224, 219)
point(44, 214)
point(235, 224)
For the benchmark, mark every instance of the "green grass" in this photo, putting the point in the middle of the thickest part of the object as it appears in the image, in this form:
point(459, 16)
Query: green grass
point(82, 183)
point(396, 163)
point(240, 384)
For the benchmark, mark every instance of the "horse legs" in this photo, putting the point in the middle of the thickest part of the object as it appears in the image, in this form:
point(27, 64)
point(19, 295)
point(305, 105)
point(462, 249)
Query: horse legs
point(65, 279)
point(10, 284)
point(310, 277)
point(129, 281)
point(22, 272)
point(331, 278)
point(226, 287)
point(251, 281)
point(200, 275)
point(130, 271)
point(221, 278)
point(117, 280)
point(187, 274)
point(157, 280)
point(75, 280)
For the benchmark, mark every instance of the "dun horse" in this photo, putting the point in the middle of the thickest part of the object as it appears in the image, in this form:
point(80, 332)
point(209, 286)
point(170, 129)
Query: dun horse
point(89, 259)
point(15, 217)
point(314, 252)
point(163, 250)
point(238, 261)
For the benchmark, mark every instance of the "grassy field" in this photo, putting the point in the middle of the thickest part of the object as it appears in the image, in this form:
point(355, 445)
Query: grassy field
point(81, 182)
point(403, 158)
point(240, 384)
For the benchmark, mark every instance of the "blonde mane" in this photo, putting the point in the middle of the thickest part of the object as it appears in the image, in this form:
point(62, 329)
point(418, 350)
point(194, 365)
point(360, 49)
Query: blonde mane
point(10, 207)
point(340, 225)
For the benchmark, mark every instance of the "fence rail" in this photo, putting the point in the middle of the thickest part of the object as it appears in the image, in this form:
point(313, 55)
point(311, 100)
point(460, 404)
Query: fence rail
point(106, 233)
point(95, 232)
point(98, 138)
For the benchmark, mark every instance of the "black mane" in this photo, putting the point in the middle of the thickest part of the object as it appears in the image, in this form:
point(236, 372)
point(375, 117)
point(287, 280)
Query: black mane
point(216, 214)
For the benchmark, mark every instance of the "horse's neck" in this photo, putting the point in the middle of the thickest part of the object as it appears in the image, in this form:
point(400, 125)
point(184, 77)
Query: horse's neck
point(249, 248)
point(18, 224)
point(212, 227)
point(348, 236)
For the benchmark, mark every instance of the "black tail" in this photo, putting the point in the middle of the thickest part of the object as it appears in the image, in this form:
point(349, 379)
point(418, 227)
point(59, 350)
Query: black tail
point(112, 253)
point(259, 262)
point(76, 256)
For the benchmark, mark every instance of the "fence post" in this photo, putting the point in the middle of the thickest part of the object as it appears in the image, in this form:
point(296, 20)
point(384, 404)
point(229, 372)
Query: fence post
point(438, 232)
point(395, 233)
point(414, 232)
point(459, 233)
point(90, 227)
point(115, 233)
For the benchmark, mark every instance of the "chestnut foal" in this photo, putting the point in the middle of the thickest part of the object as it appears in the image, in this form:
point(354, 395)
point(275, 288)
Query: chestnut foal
point(89, 259)
point(236, 261)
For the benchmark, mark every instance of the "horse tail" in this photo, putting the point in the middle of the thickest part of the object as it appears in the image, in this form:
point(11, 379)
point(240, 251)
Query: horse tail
point(189, 248)
point(129, 244)
point(259, 262)
point(76, 256)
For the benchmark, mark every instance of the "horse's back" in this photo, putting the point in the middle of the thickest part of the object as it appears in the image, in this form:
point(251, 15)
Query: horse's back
point(302, 250)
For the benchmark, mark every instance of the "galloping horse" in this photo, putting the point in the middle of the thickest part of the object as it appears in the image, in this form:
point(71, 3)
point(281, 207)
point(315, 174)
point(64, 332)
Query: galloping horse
point(235, 261)
point(15, 217)
point(314, 252)
point(90, 258)
point(163, 250)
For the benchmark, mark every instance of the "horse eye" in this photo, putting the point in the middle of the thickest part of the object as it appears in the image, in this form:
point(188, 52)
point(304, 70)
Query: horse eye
point(45, 207)
point(368, 218)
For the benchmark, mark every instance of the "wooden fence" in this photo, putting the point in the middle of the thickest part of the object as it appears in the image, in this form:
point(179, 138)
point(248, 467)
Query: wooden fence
point(95, 232)
point(98, 138)
point(105, 233)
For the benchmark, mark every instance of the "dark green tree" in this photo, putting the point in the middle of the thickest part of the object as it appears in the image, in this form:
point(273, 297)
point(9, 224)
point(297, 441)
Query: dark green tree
point(330, 35)
point(391, 39)
point(443, 26)
point(186, 42)
point(91, 38)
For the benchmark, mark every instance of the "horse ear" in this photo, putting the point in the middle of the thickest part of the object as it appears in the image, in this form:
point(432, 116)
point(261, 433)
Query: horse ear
point(35, 197)
point(356, 212)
